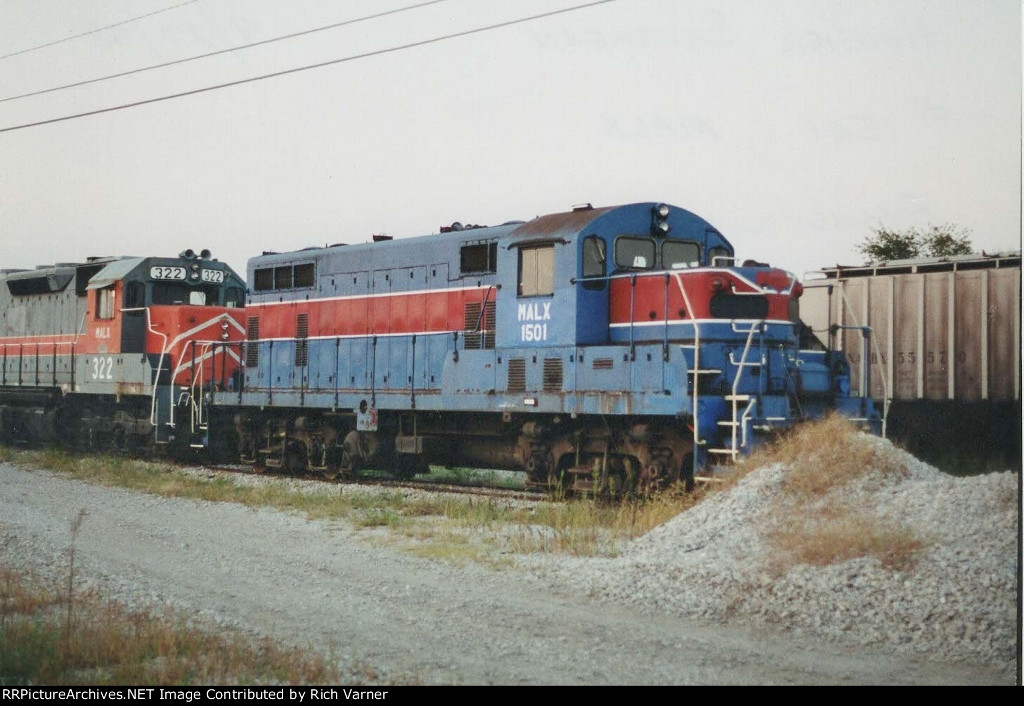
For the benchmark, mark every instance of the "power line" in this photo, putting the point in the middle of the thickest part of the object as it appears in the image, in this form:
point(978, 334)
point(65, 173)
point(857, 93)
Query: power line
point(98, 29)
point(220, 51)
point(354, 57)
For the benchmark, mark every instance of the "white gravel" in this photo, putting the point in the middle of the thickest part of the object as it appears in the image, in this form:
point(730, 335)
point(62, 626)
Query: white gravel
point(696, 601)
point(958, 601)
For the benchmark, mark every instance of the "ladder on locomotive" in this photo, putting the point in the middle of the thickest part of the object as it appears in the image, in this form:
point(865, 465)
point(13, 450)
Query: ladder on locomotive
point(742, 404)
point(199, 421)
point(739, 423)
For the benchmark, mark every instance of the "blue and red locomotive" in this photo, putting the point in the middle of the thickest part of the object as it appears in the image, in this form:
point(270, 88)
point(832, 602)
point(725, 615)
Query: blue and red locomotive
point(605, 349)
point(106, 353)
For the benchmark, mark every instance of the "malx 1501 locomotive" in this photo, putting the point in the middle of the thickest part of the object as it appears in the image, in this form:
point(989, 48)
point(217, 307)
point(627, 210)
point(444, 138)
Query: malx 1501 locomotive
point(600, 349)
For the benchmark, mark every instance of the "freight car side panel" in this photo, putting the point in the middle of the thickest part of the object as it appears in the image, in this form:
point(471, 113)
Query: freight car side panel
point(1003, 334)
point(969, 322)
point(907, 361)
point(938, 333)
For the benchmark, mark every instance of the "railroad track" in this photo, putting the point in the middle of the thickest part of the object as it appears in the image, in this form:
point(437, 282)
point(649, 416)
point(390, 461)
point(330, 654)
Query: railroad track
point(428, 486)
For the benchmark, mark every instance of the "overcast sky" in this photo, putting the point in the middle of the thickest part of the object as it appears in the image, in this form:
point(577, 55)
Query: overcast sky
point(794, 126)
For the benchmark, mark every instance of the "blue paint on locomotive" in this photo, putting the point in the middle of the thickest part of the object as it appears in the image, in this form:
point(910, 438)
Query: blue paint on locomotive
point(551, 347)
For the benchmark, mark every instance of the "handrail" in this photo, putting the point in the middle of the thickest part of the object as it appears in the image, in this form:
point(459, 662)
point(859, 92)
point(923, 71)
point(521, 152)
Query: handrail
point(737, 420)
point(159, 367)
point(866, 337)
point(696, 366)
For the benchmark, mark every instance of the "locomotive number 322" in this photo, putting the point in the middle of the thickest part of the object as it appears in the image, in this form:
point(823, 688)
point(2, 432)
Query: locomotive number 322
point(102, 368)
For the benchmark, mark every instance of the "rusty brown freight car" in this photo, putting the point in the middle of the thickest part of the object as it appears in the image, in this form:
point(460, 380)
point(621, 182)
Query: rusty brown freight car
point(945, 348)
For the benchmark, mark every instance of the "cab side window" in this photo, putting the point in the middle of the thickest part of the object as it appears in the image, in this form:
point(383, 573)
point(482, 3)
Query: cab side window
point(537, 271)
point(105, 303)
point(595, 263)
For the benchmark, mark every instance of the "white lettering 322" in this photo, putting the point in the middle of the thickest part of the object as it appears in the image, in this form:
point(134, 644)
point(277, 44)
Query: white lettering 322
point(102, 368)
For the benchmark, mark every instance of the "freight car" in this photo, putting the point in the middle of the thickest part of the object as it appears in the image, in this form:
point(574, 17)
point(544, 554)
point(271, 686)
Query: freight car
point(605, 349)
point(102, 353)
point(945, 352)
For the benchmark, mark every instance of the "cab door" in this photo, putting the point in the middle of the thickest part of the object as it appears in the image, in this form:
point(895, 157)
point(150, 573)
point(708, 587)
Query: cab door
point(133, 321)
point(592, 291)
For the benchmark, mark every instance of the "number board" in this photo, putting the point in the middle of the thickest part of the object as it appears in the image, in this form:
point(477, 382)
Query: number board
point(167, 273)
point(214, 276)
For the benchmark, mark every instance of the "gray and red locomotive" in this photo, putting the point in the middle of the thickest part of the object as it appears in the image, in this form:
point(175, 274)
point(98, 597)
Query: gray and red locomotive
point(606, 349)
point(104, 353)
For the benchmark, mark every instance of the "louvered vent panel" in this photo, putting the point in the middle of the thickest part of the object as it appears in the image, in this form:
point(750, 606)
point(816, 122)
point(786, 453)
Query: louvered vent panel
point(252, 347)
point(479, 332)
point(602, 364)
point(301, 344)
point(552, 374)
point(516, 374)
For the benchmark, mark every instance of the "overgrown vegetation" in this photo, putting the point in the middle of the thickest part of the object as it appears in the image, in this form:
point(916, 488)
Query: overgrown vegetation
point(61, 635)
point(580, 527)
point(812, 522)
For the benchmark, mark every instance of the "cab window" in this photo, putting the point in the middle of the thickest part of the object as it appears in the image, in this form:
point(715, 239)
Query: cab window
point(723, 256)
point(537, 271)
point(105, 303)
point(677, 254)
point(634, 253)
point(594, 262)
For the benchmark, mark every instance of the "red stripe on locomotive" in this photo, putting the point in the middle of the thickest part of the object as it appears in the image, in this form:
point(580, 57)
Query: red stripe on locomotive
point(394, 314)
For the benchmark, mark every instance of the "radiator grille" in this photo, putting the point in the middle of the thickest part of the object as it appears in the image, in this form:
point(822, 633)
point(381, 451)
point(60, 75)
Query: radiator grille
point(479, 331)
point(552, 374)
point(301, 344)
point(516, 374)
point(252, 347)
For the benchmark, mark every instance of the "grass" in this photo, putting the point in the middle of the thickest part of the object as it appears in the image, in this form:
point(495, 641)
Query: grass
point(837, 533)
point(474, 477)
point(823, 455)
point(812, 523)
point(46, 638)
point(580, 526)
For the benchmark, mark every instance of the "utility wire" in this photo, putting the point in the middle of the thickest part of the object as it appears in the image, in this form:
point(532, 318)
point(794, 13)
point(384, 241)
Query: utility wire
point(220, 51)
point(98, 29)
point(354, 57)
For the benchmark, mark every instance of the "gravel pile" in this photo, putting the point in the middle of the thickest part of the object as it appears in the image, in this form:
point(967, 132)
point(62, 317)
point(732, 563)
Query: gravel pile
point(957, 601)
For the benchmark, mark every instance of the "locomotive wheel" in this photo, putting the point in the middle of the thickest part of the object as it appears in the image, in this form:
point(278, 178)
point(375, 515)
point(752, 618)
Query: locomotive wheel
point(348, 462)
point(120, 441)
point(686, 473)
point(294, 461)
point(656, 476)
point(343, 461)
point(408, 465)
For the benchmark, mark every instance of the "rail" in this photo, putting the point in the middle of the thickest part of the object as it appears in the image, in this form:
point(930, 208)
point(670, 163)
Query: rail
point(696, 377)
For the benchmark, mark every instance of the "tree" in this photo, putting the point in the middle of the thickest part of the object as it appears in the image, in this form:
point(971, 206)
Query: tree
point(936, 241)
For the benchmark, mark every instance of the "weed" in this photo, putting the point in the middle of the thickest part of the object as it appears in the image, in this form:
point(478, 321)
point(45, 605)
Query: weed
point(838, 533)
point(109, 644)
point(822, 455)
point(818, 526)
point(76, 524)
